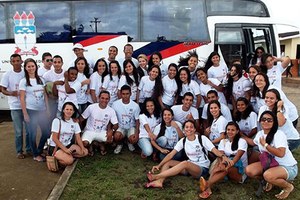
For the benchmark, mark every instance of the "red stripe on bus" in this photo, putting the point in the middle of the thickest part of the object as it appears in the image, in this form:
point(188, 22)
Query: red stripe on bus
point(97, 39)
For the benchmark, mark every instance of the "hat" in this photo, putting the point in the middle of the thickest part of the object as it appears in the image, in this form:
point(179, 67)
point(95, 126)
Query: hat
point(77, 46)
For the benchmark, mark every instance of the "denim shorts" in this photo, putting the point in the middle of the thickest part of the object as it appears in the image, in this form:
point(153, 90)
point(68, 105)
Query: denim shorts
point(291, 171)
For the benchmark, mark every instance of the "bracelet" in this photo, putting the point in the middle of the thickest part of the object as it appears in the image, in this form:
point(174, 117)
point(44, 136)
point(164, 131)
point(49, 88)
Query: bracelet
point(279, 111)
point(266, 144)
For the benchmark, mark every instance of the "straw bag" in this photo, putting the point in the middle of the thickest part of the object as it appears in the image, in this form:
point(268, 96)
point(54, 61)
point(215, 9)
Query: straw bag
point(52, 163)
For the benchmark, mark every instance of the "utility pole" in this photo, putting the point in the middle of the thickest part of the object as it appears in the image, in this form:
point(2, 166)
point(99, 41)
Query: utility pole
point(96, 21)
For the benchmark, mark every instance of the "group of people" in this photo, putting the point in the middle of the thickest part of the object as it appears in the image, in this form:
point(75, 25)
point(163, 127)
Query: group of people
point(211, 121)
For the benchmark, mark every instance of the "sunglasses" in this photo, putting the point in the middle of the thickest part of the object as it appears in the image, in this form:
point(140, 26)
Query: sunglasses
point(259, 52)
point(49, 60)
point(265, 119)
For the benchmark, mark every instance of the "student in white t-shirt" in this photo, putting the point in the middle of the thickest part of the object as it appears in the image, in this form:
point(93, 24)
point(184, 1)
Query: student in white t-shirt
point(47, 64)
point(169, 83)
point(101, 124)
point(216, 123)
point(111, 81)
point(235, 148)
point(34, 104)
point(66, 89)
point(191, 62)
point(10, 87)
point(63, 130)
point(128, 51)
point(168, 133)
point(149, 119)
point(143, 65)
point(97, 79)
point(83, 75)
point(274, 142)
point(216, 69)
point(197, 163)
point(274, 72)
point(128, 117)
point(156, 59)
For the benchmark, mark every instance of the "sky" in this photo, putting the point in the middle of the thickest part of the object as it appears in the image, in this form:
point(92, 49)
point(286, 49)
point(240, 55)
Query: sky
point(285, 11)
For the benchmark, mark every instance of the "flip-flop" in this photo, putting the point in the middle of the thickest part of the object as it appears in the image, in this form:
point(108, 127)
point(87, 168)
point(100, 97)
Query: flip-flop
point(268, 187)
point(205, 194)
point(203, 184)
point(284, 193)
point(20, 156)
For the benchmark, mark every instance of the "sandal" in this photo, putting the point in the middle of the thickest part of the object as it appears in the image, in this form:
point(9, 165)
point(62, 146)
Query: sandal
point(205, 194)
point(268, 187)
point(203, 184)
point(39, 159)
point(284, 193)
point(20, 156)
point(149, 176)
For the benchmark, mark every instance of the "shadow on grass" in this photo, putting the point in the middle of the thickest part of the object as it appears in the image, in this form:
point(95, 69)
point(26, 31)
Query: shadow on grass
point(124, 176)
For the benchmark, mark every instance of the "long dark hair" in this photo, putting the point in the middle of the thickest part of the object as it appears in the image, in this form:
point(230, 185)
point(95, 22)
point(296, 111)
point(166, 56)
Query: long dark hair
point(256, 92)
point(209, 62)
point(38, 79)
point(163, 123)
point(156, 112)
point(184, 61)
point(134, 73)
point(105, 71)
point(264, 58)
point(246, 113)
point(274, 128)
point(210, 118)
point(150, 62)
point(119, 69)
point(235, 142)
point(254, 59)
point(179, 83)
point(239, 72)
point(278, 98)
point(86, 70)
point(158, 88)
point(74, 108)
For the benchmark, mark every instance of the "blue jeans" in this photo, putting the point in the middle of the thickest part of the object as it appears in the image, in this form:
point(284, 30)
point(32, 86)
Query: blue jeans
point(162, 142)
point(18, 119)
point(38, 118)
point(293, 144)
point(145, 145)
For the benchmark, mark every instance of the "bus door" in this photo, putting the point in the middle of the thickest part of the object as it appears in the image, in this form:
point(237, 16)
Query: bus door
point(237, 42)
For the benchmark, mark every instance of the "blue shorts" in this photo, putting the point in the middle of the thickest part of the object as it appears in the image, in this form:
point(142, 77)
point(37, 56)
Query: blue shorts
point(291, 171)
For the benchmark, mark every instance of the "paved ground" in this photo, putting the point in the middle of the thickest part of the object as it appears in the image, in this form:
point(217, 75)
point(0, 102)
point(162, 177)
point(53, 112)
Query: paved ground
point(26, 179)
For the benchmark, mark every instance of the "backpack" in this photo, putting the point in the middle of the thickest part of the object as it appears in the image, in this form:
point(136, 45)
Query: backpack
point(200, 142)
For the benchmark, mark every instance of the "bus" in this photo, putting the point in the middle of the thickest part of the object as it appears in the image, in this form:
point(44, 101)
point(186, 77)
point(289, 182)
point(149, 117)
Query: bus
point(234, 28)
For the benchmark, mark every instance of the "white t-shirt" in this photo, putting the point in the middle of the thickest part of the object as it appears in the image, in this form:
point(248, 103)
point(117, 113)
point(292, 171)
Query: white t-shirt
point(240, 87)
point(181, 116)
point(90, 61)
point(163, 69)
point(219, 73)
point(98, 118)
point(82, 96)
point(34, 94)
point(133, 86)
point(194, 88)
point(274, 75)
point(42, 70)
point(112, 87)
point(11, 81)
point(51, 76)
point(217, 127)
point(66, 132)
point(170, 89)
point(193, 150)
point(246, 125)
point(152, 122)
point(121, 61)
point(224, 110)
point(225, 145)
point(127, 113)
point(170, 133)
point(279, 140)
point(146, 87)
point(204, 88)
point(64, 97)
point(96, 83)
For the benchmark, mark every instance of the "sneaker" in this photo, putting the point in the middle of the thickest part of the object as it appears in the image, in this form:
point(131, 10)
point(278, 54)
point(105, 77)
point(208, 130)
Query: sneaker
point(130, 147)
point(118, 149)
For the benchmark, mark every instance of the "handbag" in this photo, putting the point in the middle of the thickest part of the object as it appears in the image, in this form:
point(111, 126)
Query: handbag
point(267, 160)
point(52, 163)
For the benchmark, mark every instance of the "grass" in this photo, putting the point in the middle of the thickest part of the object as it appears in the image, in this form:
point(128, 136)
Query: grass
point(123, 177)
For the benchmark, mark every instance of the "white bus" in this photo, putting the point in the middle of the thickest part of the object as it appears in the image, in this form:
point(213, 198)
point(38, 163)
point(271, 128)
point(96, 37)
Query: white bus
point(234, 28)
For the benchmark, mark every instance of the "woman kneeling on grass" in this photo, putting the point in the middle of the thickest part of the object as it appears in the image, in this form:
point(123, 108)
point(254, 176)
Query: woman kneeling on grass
point(273, 141)
point(66, 128)
point(233, 147)
point(196, 151)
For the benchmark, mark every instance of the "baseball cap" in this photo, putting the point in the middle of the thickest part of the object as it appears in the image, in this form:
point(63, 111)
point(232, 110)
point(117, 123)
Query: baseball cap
point(78, 46)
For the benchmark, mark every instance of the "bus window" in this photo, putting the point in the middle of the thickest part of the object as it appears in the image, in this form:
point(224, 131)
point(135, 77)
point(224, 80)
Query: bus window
point(107, 16)
point(174, 20)
point(52, 20)
point(2, 23)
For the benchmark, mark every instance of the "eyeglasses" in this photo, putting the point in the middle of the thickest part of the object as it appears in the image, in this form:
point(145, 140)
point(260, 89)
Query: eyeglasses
point(49, 60)
point(265, 119)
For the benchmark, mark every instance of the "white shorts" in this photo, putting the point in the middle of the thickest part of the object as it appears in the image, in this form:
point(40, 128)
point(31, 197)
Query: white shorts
point(126, 132)
point(91, 136)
